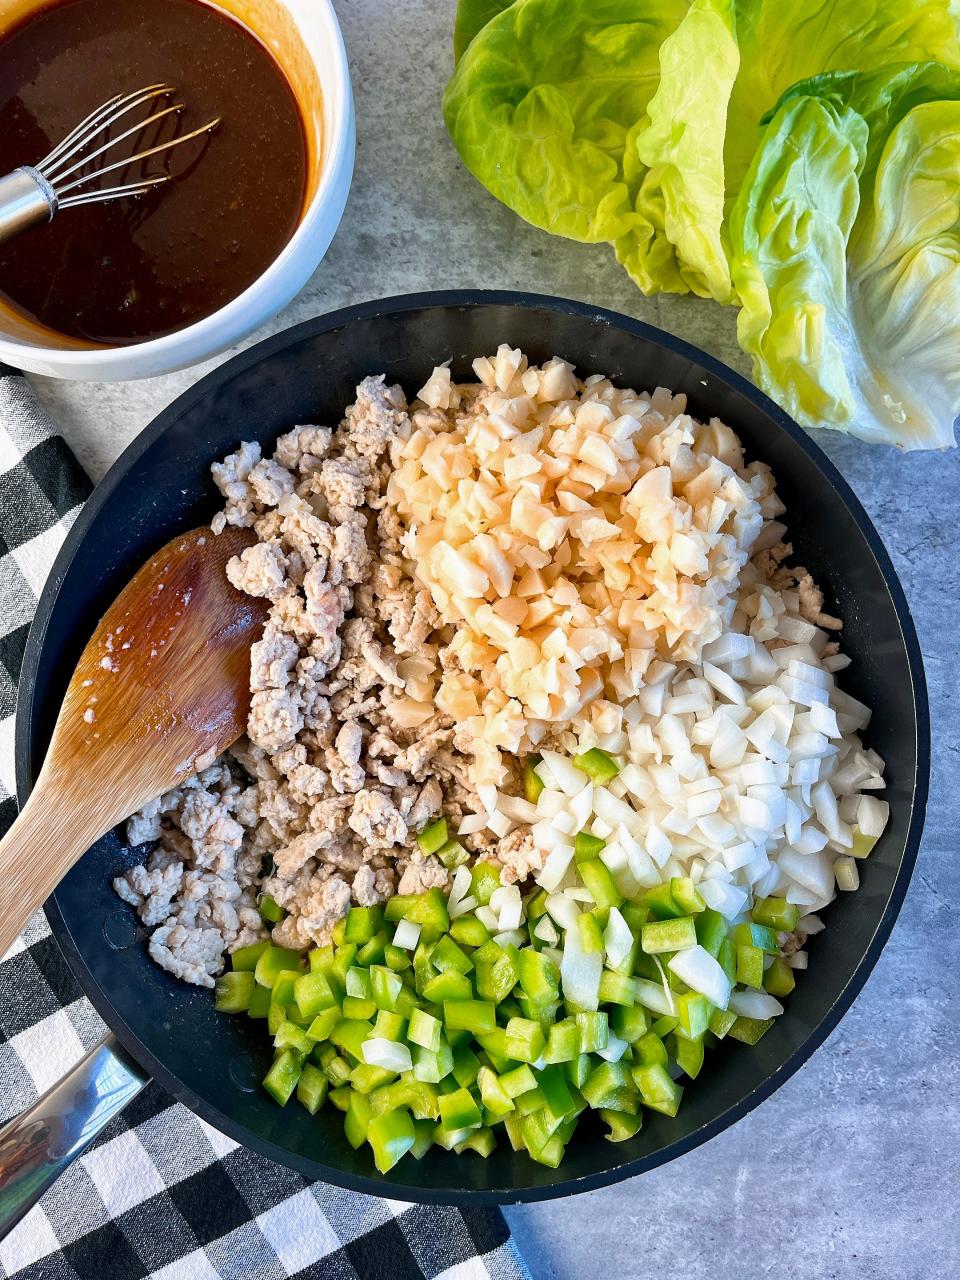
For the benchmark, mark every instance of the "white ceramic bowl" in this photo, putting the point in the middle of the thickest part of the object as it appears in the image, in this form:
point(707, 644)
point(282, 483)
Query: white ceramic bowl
point(305, 37)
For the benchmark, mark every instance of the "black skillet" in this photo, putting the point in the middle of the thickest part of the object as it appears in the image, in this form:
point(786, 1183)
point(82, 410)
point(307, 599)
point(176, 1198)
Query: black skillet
point(161, 485)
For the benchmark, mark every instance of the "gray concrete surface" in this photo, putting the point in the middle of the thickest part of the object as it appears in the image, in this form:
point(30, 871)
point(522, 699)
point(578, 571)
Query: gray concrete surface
point(851, 1170)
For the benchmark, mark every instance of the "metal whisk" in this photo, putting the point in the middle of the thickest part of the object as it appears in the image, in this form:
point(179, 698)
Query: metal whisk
point(62, 180)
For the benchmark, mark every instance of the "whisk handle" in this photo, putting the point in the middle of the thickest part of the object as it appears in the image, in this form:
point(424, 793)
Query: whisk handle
point(26, 199)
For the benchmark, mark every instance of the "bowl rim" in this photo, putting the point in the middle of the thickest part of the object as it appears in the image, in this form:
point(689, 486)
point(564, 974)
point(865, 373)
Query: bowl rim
point(115, 361)
point(466, 298)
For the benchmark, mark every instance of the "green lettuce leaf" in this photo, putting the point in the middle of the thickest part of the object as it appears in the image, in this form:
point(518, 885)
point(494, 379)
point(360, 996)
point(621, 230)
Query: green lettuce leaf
point(678, 155)
point(783, 41)
point(542, 103)
point(846, 255)
point(472, 17)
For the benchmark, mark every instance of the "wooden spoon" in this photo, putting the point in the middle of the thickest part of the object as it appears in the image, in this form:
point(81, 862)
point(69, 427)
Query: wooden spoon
point(163, 685)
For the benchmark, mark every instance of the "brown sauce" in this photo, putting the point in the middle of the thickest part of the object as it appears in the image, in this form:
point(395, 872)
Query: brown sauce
point(139, 268)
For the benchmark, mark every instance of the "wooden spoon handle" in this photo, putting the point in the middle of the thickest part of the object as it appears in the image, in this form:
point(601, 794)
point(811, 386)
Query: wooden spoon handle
point(44, 842)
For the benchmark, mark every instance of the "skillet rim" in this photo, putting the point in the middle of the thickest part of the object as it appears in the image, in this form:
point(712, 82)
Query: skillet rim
point(398, 305)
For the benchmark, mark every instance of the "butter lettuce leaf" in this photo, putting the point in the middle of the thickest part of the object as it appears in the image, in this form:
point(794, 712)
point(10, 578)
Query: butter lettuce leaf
point(677, 154)
point(785, 41)
point(544, 99)
point(472, 17)
point(603, 120)
point(846, 255)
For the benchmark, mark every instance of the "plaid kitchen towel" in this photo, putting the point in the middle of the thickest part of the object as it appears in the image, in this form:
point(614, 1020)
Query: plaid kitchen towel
point(161, 1194)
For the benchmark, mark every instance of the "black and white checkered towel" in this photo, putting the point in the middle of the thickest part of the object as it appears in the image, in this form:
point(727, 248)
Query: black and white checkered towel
point(162, 1194)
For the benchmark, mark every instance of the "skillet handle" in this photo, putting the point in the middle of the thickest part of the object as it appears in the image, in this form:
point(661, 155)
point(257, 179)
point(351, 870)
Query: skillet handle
point(36, 1146)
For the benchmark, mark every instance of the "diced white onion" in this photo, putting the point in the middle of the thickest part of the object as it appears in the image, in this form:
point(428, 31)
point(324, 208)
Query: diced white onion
point(617, 938)
point(406, 935)
point(754, 1004)
point(700, 971)
point(392, 1055)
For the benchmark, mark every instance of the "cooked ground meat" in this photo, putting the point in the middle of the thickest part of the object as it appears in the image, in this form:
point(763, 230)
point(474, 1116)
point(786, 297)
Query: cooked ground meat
point(319, 805)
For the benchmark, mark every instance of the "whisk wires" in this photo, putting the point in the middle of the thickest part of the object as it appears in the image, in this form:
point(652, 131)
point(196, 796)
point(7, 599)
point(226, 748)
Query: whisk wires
point(73, 153)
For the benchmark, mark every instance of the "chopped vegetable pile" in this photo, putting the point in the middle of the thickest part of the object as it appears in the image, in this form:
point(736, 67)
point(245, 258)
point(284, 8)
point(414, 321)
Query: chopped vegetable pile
point(796, 157)
point(424, 1030)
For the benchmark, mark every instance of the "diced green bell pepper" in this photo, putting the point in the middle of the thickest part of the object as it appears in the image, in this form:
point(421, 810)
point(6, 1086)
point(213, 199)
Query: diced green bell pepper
point(657, 1090)
point(693, 1010)
point(563, 1041)
point(385, 987)
point(428, 909)
point(482, 1141)
point(447, 955)
point(458, 1110)
point(478, 1016)
point(711, 930)
point(497, 971)
point(617, 988)
point(539, 977)
point(749, 965)
point(358, 1009)
point(591, 933)
point(270, 909)
point(599, 884)
point(373, 950)
point(424, 1029)
point(233, 990)
point(469, 931)
point(349, 1035)
point(433, 836)
point(466, 1066)
point(484, 880)
point(322, 1025)
point(610, 1086)
point(629, 1023)
point(586, 847)
point(245, 958)
point(340, 1096)
point(365, 1077)
point(750, 1030)
point(492, 1093)
point(688, 1054)
point(776, 913)
point(396, 958)
point(532, 782)
point(553, 1084)
point(452, 855)
point(290, 1036)
point(281, 1080)
point(594, 1031)
point(779, 979)
point(755, 935)
point(721, 1020)
point(518, 1081)
point(622, 1125)
point(273, 961)
point(661, 903)
point(357, 1119)
point(362, 924)
point(390, 1026)
point(312, 1088)
point(525, 1040)
point(424, 1139)
point(578, 1070)
point(650, 1051)
point(260, 1001)
point(597, 765)
point(448, 986)
point(668, 935)
point(390, 1135)
point(686, 895)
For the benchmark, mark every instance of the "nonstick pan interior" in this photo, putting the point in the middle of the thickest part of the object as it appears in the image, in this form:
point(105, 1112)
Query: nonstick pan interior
point(161, 485)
